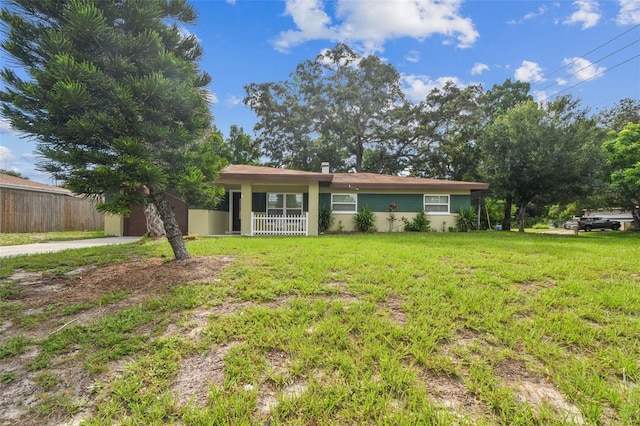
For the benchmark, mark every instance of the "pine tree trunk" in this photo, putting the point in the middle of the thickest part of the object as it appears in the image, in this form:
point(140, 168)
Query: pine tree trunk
point(174, 235)
point(155, 228)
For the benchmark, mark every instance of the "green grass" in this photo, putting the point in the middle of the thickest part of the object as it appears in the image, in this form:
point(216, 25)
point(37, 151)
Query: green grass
point(68, 260)
point(369, 329)
point(11, 239)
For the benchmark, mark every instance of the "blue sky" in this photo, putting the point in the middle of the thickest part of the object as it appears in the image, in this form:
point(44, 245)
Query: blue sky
point(588, 48)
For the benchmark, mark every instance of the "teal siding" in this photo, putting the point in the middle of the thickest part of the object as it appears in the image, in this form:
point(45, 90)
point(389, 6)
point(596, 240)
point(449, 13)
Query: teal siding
point(325, 200)
point(259, 202)
point(380, 202)
point(377, 202)
point(459, 202)
point(407, 203)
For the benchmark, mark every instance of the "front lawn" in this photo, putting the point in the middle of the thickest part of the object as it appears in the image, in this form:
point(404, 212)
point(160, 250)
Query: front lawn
point(478, 328)
point(18, 238)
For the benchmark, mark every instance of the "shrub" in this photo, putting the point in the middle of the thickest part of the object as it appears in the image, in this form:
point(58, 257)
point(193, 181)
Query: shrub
point(420, 223)
point(325, 218)
point(364, 220)
point(467, 219)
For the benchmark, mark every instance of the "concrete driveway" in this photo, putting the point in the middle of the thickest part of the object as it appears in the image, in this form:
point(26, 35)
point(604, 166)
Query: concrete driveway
point(53, 246)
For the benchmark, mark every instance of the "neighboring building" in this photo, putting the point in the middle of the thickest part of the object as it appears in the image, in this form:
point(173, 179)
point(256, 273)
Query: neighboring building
point(136, 223)
point(271, 201)
point(27, 206)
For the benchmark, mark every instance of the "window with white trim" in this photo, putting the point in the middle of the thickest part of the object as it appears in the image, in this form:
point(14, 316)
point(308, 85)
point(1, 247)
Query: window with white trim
point(436, 203)
point(344, 203)
point(284, 204)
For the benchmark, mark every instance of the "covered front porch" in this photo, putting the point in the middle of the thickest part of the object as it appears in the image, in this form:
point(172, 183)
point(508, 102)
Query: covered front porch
point(273, 209)
point(270, 201)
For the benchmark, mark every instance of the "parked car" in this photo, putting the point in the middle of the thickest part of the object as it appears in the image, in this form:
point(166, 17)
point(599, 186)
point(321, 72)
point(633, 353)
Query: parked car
point(589, 223)
point(570, 224)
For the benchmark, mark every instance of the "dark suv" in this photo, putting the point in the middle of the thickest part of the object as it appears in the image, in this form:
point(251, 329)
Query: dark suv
point(589, 223)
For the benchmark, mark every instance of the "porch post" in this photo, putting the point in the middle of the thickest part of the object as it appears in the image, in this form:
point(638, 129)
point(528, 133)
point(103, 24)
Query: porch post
point(246, 208)
point(314, 206)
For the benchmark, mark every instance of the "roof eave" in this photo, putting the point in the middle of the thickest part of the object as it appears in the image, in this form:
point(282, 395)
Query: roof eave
point(227, 177)
point(415, 186)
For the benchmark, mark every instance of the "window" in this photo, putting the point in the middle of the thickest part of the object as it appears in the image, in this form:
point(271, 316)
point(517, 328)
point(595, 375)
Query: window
point(284, 204)
point(344, 203)
point(436, 203)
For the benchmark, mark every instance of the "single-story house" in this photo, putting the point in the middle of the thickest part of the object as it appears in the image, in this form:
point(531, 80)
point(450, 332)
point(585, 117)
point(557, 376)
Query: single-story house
point(274, 201)
point(28, 206)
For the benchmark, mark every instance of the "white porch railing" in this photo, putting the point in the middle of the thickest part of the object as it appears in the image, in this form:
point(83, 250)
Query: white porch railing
point(261, 224)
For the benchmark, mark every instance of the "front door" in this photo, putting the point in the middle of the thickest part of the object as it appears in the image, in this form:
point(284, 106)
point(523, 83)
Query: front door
point(235, 210)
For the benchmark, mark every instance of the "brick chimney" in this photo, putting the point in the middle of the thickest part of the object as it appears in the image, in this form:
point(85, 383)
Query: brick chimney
point(325, 167)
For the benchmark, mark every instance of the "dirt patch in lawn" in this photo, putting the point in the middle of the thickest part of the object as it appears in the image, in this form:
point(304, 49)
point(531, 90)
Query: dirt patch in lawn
point(537, 390)
point(42, 302)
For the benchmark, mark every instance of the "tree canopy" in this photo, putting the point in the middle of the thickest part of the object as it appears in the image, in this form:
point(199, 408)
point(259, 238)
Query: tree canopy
point(334, 108)
point(113, 94)
point(622, 151)
point(238, 148)
point(533, 153)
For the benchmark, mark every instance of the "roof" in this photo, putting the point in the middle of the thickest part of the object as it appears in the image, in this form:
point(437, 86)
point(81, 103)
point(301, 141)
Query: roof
point(342, 180)
point(377, 181)
point(13, 182)
point(241, 172)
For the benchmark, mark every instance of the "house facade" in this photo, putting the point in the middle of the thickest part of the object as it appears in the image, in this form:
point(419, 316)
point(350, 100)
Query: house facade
point(273, 201)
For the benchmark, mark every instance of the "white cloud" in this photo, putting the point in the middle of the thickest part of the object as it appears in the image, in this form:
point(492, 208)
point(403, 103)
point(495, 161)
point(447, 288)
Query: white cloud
point(6, 158)
point(588, 14)
point(231, 2)
point(541, 11)
point(413, 56)
point(233, 100)
point(417, 87)
point(581, 69)
point(479, 68)
point(529, 71)
point(5, 127)
point(372, 23)
point(540, 95)
point(629, 12)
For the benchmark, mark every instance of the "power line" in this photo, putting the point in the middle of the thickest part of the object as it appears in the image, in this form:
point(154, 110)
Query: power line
point(595, 76)
point(591, 63)
point(591, 51)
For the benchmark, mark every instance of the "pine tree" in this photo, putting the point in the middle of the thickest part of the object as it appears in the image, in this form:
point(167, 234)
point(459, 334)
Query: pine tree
point(114, 97)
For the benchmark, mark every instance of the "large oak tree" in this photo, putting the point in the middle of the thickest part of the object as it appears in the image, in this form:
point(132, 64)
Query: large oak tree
point(334, 108)
point(113, 95)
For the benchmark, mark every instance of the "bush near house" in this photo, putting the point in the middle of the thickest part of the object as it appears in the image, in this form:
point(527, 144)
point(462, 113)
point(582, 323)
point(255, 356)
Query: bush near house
point(420, 223)
point(364, 220)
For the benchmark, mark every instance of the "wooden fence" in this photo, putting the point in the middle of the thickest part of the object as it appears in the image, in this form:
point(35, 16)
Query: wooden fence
point(32, 211)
